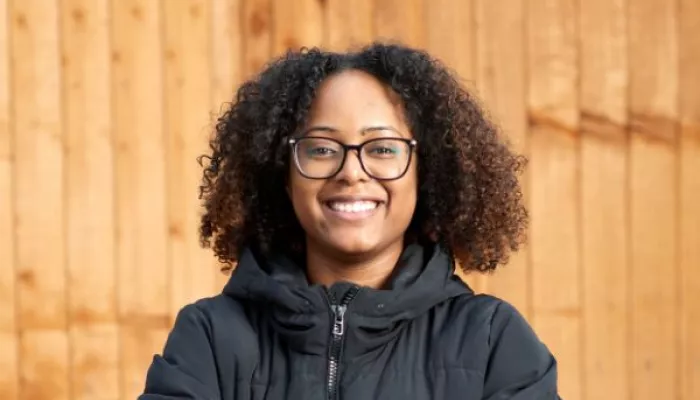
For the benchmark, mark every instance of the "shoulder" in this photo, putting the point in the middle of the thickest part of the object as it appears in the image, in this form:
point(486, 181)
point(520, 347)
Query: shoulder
point(216, 307)
point(511, 356)
point(224, 323)
point(482, 310)
point(219, 315)
point(218, 319)
point(495, 318)
point(487, 323)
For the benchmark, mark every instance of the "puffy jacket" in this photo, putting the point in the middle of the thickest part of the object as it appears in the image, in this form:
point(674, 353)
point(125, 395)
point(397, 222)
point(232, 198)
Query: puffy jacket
point(271, 335)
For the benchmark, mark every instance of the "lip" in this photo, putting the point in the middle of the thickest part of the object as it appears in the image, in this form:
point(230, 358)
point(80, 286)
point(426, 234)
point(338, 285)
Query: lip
point(347, 216)
point(349, 198)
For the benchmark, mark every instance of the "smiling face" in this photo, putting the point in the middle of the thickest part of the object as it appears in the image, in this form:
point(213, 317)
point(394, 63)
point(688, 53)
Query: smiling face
point(351, 213)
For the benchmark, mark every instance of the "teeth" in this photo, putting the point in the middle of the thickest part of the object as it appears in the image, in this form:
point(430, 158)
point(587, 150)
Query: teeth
point(353, 207)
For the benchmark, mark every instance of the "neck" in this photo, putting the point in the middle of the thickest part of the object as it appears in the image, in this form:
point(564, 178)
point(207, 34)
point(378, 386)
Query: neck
point(372, 270)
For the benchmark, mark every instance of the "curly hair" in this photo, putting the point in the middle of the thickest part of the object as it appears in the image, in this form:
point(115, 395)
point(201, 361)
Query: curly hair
point(469, 196)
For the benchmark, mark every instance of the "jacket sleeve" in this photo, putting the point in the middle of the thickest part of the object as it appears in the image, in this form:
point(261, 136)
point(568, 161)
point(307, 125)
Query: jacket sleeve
point(186, 369)
point(520, 366)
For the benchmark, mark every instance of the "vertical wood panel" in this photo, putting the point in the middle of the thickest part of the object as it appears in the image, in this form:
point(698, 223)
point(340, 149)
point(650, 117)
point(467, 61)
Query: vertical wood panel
point(604, 197)
point(187, 99)
point(226, 53)
point(401, 20)
point(653, 108)
point(553, 102)
point(89, 200)
point(39, 201)
point(8, 319)
point(613, 289)
point(143, 281)
point(257, 35)
point(689, 215)
point(502, 86)
point(450, 36)
point(348, 24)
point(226, 74)
point(288, 32)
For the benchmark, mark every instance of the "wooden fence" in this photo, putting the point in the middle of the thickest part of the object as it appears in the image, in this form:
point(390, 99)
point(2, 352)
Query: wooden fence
point(104, 106)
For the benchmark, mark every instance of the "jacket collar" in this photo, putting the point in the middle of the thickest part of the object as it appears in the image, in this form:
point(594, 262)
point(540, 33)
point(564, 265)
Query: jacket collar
point(423, 278)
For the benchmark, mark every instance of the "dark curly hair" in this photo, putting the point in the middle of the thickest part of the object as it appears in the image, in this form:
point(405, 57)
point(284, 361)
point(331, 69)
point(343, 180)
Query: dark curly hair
point(469, 196)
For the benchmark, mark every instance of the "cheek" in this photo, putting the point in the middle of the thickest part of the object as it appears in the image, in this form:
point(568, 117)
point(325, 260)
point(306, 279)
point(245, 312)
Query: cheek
point(404, 197)
point(303, 194)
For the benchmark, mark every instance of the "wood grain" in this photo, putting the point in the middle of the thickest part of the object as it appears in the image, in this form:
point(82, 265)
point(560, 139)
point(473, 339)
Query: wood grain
point(604, 198)
point(554, 187)
point(39, 204)
point(227, 38)
point(451, 36)
point(9, 379)
point(89, 192)
point(227, 73)
point(288, 33)
point(187, 67)
point(653, 96)
point(104, 106)
point(689, 214)
point(401, 21)
point(450, 29)
point(501, 85)
point(348, 25)
point(257, 35)
point(141, 204)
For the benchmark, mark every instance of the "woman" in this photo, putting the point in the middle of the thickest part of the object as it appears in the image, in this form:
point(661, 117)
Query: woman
point(345, 187)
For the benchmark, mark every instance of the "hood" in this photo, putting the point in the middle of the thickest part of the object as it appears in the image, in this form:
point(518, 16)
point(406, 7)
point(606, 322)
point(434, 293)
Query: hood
point(301, 313)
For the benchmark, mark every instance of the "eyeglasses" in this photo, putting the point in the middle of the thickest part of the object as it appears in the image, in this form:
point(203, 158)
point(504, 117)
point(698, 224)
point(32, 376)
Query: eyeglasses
point(382, 158)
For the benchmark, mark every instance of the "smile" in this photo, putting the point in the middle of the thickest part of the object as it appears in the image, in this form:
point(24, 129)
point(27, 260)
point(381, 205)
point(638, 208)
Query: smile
point(350, 210)
point(352, 206)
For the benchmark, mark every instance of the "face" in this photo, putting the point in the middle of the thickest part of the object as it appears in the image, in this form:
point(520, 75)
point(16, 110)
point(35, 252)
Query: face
point(352, 213)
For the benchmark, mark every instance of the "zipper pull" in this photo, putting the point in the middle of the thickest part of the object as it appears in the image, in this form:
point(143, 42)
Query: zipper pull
point(339, 323)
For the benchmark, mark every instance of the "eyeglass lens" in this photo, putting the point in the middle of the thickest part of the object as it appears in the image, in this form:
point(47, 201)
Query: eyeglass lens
point(381, 158)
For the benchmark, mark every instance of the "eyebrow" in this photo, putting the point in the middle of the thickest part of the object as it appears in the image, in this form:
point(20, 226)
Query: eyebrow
point(365, 130)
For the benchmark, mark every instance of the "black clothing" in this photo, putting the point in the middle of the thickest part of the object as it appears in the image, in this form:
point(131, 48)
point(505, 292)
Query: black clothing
point(271, 335)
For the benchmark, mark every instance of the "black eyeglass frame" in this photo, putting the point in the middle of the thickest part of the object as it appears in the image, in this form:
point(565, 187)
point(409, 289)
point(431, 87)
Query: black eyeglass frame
point(293, 143)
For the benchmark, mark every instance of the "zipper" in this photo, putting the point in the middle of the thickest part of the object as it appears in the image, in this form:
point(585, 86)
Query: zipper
point(336, 341)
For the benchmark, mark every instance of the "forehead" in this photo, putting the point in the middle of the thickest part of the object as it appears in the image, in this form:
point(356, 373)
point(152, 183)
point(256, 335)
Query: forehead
point(355, 98)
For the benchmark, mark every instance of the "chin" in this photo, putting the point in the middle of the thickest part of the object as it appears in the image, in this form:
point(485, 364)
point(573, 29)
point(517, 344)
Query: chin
point(351, 246)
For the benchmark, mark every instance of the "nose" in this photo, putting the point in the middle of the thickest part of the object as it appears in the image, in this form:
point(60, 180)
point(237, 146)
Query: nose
point(351, 170)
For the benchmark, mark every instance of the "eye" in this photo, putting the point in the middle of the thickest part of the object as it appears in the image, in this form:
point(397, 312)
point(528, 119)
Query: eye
point(384, 150)
point(320, 151)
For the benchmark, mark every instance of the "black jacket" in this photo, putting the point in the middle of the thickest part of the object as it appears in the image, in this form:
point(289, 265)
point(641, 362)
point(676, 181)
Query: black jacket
point(270, 335)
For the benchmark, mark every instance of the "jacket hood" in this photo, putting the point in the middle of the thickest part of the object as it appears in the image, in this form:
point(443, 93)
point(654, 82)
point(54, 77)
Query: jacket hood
point(301, 313)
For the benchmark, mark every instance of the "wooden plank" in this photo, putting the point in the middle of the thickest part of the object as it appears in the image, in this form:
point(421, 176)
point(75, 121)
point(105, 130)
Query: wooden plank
point(227, 47)
point(188, 96)
point(501, 84)
point(9, 379)
point(288, 32)
point(257, 35)
point(451, 36)
point(653, 96)
point(227, 74)
point(554, 243)
point(40, 243)
point(348, 25)
point(604, 241)
point(689, 215)
point(141, 242)
point(92, 310)
point(402, 21)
